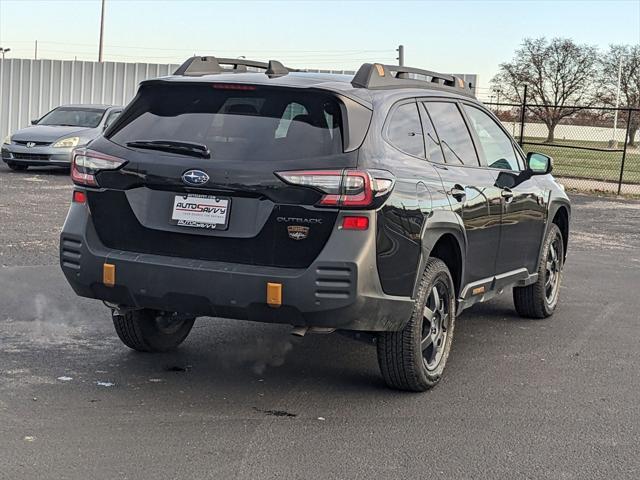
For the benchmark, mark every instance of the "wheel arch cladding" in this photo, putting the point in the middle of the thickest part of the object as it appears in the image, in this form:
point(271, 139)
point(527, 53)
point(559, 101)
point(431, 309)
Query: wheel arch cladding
point(447, 248)
point(561, 219)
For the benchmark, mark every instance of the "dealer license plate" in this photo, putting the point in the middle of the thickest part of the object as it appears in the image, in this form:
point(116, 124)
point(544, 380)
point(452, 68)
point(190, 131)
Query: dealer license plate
point(201, 211)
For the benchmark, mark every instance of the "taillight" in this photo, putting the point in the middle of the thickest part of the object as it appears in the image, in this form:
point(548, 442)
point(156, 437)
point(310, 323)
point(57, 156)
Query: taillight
point(86, 163)
point(79, 197)
point(343, 188)
point(355, 223)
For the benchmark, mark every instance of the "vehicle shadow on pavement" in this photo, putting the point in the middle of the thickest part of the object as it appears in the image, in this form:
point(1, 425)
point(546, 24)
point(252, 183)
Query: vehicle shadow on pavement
point(55, 171)
point(244, 355)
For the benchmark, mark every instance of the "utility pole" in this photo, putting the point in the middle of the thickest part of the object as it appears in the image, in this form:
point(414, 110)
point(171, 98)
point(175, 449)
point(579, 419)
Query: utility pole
point(400, 58)
point(522, 114)
point(101, 33)
point(35, 52)
point(498, 91)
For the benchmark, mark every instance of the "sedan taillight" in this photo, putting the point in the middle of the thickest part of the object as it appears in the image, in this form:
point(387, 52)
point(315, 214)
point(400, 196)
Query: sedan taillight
point(86, 163)
point(343, 188)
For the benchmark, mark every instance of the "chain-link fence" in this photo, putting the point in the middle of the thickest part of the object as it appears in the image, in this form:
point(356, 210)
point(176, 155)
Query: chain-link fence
point(594, 148)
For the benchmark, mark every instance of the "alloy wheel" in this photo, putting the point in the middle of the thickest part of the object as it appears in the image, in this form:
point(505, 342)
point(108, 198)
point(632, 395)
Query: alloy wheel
point(435, 325)
point(553, 269)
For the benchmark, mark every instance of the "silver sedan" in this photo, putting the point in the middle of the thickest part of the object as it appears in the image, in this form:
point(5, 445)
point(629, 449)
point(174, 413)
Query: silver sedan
point(50, 140)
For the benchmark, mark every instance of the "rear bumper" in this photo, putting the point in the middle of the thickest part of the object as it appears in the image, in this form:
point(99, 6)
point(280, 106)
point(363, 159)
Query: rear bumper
point(36, 156)
point(341, 289)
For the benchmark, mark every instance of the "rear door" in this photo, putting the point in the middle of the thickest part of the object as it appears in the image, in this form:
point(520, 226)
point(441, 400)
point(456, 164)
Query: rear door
point(523, 201)
point(471, 189)
point(227, 205)
point(404, 215)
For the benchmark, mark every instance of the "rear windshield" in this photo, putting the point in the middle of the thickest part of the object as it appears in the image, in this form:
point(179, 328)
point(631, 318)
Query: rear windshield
point(260, 123)
point(73, 117)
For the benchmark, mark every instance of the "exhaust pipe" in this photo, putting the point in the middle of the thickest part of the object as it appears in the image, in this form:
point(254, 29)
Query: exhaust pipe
point(299, 331)
point(302, 331)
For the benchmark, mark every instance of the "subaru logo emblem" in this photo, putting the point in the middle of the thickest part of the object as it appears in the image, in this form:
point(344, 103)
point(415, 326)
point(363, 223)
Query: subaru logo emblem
point(195, 177)
point(31, 144)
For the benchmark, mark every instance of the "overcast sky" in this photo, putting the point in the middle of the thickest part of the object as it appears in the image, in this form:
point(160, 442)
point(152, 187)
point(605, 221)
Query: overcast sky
point(448, 36)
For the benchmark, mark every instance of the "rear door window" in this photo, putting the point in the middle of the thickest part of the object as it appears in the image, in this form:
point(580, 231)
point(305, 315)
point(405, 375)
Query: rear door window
point(404, 130)
point(453, 133)
point(434, 150)
point(496, 145)
point(252, 124)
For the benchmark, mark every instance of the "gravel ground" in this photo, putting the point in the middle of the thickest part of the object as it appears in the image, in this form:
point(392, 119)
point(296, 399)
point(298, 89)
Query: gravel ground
point(33, 205)
point(553, 399)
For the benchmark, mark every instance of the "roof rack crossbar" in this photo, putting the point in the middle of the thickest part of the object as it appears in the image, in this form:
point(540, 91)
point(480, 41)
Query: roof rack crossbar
point(208, 65)
point(199, 66)
point(379, 76)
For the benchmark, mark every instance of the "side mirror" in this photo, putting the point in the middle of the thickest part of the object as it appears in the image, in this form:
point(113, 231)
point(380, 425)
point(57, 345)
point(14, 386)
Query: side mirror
point(34, 122)
point(539, 163)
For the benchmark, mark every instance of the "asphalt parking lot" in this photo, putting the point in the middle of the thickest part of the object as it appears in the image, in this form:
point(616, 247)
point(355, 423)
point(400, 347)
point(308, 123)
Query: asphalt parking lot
point(553, 399)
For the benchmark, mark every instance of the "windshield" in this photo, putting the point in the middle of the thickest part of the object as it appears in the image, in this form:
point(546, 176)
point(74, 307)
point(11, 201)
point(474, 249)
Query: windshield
point(73, 117)
point(255, 123)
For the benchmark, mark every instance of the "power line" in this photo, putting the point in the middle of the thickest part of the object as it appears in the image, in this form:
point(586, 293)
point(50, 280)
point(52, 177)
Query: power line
point(191, 49)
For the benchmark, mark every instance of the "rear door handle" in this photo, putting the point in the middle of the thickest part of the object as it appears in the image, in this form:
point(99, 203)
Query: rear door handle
point(458, 192)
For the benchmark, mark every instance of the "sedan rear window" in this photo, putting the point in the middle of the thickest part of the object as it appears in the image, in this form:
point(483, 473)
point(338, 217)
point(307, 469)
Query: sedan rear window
point(252, 123)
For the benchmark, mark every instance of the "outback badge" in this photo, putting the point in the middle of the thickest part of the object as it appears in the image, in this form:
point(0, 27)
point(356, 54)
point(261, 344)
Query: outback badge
point(298, 232)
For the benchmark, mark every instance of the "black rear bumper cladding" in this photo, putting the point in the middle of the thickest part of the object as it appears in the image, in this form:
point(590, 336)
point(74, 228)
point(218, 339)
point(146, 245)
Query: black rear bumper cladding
point(340, 289)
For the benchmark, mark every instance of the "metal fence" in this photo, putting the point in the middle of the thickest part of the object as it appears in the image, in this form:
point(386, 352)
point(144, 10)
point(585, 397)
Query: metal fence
point(30, 88)
point(594, 148)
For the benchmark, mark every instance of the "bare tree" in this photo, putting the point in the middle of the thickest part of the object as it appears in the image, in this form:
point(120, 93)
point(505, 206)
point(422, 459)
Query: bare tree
point(559, 74)
point(629, 81)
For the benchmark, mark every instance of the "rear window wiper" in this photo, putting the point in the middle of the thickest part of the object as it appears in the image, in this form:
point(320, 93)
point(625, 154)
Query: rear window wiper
point(183, 148)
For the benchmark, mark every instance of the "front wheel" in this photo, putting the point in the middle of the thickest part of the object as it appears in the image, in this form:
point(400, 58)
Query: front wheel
point(149, 330)
point(539, 300)
point(414, 358)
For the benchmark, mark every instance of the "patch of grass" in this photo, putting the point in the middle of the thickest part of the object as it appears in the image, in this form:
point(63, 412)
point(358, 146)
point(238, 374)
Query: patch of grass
point(595, 165)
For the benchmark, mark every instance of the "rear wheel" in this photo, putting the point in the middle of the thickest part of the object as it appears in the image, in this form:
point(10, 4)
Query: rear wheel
point(17, 167)
point(150, 330)
point(414, 358)
point(539, 300)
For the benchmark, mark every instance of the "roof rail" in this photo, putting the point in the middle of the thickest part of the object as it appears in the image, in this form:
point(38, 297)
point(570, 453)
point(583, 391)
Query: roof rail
point(208, 65)
point(378, 76)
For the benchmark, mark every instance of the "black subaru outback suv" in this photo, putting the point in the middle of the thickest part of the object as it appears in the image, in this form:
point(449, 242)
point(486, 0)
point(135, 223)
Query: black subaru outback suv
point(384, 202)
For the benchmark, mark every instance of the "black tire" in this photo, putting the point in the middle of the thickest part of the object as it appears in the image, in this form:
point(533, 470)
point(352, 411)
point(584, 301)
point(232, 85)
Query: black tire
point(17, 167)
point(412, 359)
point(148, 331)
point(539, 300)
